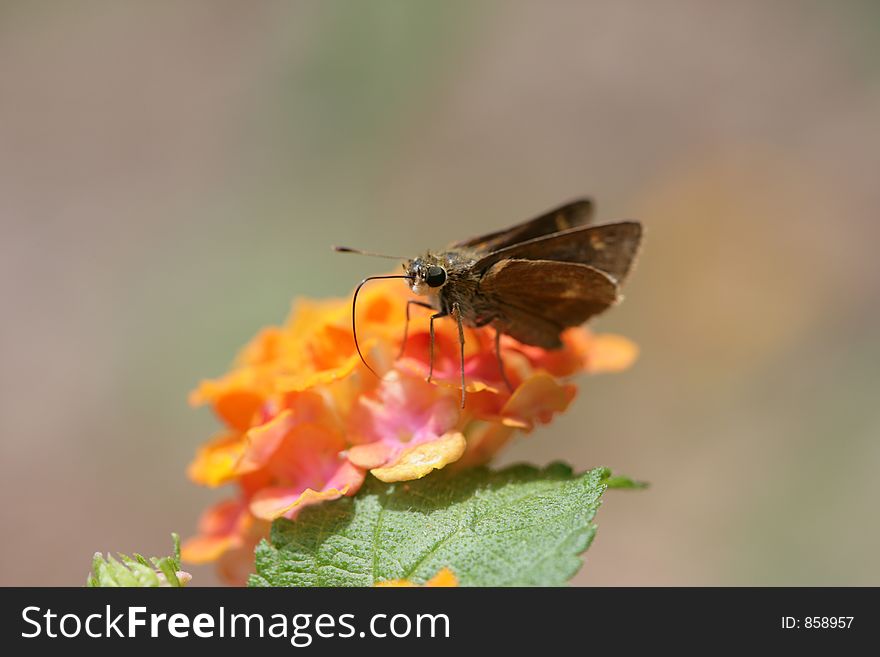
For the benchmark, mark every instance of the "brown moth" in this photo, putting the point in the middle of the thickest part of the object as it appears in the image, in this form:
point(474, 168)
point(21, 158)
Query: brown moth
point(530, 281)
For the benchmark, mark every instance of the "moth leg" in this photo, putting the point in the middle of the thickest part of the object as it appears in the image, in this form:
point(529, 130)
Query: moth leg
point(457, 312)
point(500, 361)
point(431, 325)
point(406, 326)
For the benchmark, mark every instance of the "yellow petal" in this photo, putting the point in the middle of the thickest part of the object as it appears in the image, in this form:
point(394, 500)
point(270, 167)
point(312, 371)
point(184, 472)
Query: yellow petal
point(215, 461)
point(416, 462)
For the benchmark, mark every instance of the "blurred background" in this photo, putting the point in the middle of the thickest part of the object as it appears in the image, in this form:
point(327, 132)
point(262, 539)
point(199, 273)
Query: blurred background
point(172, 174)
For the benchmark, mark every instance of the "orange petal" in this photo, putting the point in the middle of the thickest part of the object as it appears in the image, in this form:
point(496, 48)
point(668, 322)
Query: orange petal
point(221, 528)
point(444, 578)
point(611, 353)
point(236, 397)
point(235, 565)
point(238, 407)
point(535, 401)
point(272, 503)
point(416, 462)
point(264, 348)
point(263, 441)
point(204, 549)
point(484, 441)
point(370, 455)
point(309, 380)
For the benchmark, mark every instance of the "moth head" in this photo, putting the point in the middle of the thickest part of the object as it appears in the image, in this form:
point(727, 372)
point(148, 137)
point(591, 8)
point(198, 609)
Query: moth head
point(427, 275)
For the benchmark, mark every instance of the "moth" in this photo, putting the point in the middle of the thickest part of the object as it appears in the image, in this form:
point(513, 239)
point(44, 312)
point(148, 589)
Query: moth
point(530, 281)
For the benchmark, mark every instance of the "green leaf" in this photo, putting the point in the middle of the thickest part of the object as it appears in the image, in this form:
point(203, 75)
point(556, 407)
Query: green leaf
point(521, 526)
point(622, 481)
point(137, 571)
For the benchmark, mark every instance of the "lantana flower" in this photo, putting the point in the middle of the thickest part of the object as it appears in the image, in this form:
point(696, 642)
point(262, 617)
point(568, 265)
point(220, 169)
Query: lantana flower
point(305, 421)
point(444, 578)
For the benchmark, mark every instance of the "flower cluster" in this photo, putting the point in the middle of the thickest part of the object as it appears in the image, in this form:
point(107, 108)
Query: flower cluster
point(444, 578)
point(304, 420)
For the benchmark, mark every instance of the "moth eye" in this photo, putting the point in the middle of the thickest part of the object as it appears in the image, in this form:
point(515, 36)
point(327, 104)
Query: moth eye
point(435, 276)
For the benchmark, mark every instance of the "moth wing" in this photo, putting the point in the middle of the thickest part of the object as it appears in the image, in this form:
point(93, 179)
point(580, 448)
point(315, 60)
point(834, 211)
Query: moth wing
point(537, 299)
point(576, 213)
point(611, 248)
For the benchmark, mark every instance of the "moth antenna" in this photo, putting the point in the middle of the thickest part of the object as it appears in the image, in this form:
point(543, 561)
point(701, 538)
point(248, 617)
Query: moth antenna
point(347, 249)
point(354, 314)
